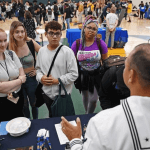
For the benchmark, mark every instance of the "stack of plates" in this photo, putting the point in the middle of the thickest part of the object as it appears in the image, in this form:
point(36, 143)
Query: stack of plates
point(18, 126)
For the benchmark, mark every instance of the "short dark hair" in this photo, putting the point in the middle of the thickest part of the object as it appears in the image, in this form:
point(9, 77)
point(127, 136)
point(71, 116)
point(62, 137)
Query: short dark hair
point(66, 4)
point(55, 2)
point(30, 4)
point(140, 62)
point(54, 25)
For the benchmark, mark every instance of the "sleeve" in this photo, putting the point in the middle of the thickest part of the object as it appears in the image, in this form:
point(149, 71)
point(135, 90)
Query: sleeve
point(104, 47)
point(72, 69)
point(16, 60)
point(107, 16)
point(39, 73)
point(73, 47)
point(95, 139)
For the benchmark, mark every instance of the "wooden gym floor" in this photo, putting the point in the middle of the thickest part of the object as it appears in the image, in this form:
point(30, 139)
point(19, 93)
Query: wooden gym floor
point(138, 33)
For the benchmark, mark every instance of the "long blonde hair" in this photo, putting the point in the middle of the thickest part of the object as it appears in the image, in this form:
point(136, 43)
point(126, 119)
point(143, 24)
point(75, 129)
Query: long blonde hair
point(12, 40)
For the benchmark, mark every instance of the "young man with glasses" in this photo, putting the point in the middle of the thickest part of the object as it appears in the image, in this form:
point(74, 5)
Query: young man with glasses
point(65, 66)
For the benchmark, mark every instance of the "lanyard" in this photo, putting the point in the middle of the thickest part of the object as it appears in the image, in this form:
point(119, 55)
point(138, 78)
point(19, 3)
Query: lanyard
point(6, 69)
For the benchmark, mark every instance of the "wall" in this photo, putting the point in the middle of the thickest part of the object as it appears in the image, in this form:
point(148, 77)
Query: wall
point(137, 2)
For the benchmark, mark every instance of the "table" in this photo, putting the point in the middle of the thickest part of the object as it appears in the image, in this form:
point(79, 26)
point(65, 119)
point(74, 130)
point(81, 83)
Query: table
point(30, 138)
point(74, 34)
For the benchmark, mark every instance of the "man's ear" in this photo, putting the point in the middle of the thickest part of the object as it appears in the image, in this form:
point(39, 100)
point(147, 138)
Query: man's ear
point(132, 76)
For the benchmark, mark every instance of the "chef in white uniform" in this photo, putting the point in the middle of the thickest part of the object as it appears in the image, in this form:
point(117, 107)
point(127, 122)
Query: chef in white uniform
point(127, 126)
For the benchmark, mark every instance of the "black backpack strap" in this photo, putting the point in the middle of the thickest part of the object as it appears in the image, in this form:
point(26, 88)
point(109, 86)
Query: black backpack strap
point(77, 44)
point(32, 50)
point(54, 60)
point(99, 46)
point(11, 54)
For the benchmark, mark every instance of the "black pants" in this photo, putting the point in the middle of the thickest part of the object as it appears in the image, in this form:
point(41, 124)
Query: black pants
point(8, 14)
point(48, 102)
point(141, 14)
point(10, 110)
point(44, 14)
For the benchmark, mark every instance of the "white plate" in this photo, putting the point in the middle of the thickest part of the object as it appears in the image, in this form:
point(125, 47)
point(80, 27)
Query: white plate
point(18, 125)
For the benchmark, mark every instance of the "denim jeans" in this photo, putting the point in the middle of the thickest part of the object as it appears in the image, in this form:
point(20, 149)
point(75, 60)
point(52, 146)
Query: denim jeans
point(29, 88)
point(56, 18)
point(38, 20)
point(68, 23)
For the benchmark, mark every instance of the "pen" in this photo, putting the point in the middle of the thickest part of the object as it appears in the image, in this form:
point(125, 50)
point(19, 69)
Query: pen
point(47, 138)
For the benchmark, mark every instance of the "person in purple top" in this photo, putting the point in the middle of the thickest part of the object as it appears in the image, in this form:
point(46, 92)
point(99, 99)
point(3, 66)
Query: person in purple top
point(89, 61)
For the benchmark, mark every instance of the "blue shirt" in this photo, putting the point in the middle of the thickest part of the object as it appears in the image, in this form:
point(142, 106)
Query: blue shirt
point(142, 9)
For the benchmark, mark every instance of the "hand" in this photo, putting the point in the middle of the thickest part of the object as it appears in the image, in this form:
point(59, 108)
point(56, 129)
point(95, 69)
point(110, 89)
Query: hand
point(23, 78)
point(70, 130)
point(28, 39)
point(49, 80)
point(32, 73)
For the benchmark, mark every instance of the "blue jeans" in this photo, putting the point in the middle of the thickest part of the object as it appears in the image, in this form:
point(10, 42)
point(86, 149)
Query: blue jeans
point(29, 88)
point(56, 18)
point(68, 23)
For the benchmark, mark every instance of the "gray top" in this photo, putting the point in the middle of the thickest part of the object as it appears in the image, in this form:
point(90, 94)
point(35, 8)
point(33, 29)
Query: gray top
point(27, 61)
point(12, 66)
point(65, 68)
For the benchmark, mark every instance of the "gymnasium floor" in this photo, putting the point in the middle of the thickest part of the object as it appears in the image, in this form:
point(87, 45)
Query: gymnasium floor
point(138, 33)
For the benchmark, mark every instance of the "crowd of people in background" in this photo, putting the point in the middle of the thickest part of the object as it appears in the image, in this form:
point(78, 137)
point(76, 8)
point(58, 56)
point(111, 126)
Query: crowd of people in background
point(22, 40)
point(24, 64)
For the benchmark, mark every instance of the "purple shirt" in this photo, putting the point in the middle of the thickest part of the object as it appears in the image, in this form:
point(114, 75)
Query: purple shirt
point(89, 59)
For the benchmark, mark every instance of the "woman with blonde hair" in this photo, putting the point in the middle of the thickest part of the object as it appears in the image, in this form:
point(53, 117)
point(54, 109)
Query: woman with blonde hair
point(12, 76)
point(25, 49)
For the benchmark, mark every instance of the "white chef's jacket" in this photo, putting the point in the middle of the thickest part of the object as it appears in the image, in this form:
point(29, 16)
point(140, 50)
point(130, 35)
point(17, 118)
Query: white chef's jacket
point(125, 127)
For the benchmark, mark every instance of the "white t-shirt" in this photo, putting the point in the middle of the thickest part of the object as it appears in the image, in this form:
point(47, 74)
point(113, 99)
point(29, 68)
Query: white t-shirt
point(49, 7)
point(8, 8)
point(111, 17)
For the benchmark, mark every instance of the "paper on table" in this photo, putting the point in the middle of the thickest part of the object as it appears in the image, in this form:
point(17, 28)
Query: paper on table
point(62, 137)
point(124, 29)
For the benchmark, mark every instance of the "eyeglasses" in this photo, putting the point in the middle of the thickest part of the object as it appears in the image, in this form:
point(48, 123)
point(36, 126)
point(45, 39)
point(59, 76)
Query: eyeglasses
point(90, 28)
point(58, 34)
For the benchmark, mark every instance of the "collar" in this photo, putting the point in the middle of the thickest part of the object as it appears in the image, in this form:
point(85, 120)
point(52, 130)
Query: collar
point(137, 112)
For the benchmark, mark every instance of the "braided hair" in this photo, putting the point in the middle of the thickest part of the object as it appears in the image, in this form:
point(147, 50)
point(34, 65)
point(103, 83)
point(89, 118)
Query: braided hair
point(88, 19)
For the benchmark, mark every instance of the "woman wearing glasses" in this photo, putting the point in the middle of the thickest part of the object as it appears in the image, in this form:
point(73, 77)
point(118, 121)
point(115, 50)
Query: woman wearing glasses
point(89, 61)
point(18, 42)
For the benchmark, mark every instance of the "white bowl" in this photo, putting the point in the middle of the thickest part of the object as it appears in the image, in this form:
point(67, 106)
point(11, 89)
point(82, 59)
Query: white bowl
point(18, 126)
point(19, 134)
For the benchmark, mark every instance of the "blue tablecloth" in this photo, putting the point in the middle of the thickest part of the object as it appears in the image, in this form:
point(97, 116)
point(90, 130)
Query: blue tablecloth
point(30, 138)
point(74, 34)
